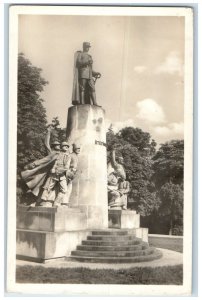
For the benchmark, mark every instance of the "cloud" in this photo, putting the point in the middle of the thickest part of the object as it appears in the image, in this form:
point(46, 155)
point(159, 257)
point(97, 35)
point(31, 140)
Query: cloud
point(172, 130)
point(140, 69)
point(150, 111)
point(119, 125)
point(171, 65)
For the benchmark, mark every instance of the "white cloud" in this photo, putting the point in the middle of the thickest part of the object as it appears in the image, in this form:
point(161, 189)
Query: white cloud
point(150, 111)
point(140, 69)
point(171, 65)
point(119, 125)
point(172, 130)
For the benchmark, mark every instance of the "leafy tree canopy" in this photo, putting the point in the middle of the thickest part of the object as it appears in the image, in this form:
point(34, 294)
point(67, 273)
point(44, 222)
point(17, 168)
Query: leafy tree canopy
point(31, 122)
point(57, 132)
point(168, 163)
point(171, 196)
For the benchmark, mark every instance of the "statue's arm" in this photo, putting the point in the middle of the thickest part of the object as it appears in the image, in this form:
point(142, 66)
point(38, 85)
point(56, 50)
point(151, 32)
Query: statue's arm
point(39, 162)
point(96, 74)
point(113, 159)
point(81, 61)
point(47, 140)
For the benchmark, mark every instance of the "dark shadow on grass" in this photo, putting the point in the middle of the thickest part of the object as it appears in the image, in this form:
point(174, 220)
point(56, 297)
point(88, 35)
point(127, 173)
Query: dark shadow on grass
point(160, 275)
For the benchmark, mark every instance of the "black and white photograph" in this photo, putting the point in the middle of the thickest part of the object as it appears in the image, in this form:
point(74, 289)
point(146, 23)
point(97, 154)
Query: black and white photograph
point(100, 150)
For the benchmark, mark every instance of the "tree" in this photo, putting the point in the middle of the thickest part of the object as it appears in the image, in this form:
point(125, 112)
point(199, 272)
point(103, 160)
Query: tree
point(168, 163)
point(139, 139)
point(57, 133)
point(168, 167)
point(171, 196)
point(31, 119)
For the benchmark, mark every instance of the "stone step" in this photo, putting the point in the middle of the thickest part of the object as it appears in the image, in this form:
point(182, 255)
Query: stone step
point(111, 243)
point(155, 255)
point(113, 248)
point(110, 232)
point(118, 238)
point(112, 253)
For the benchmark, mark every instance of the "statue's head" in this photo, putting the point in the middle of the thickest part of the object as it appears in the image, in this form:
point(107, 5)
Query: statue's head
point(55, 145)
point(65, 147)
point(86, 46)
point(76, 148)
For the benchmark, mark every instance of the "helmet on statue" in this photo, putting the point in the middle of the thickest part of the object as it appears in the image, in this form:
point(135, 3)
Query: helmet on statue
point(86, 45)
point(64, 144)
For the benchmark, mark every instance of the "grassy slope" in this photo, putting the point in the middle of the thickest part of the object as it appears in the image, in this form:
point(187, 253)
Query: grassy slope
point(160, 275)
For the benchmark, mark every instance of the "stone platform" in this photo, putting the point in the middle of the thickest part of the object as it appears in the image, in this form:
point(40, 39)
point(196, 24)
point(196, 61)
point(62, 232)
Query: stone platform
point(125, 219)
point(53, 219)
point(45, 233)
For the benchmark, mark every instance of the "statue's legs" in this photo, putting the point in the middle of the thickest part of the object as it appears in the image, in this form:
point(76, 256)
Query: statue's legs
point(48, 194)
point(83, 82)
point(62, 191)
point(92, 91)
point(124, 201)
point(87, 91)
point(93, 97)
point(65, 199)
point(82, 97)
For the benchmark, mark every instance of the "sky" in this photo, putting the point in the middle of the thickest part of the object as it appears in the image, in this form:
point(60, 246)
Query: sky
point(141, 59)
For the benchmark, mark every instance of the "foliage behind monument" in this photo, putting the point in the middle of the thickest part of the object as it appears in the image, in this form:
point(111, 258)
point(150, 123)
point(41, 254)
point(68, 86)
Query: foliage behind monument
point(32, 119)
point(156, 178)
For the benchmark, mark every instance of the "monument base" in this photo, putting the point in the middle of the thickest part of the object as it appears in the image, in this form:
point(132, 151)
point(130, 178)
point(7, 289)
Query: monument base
point(54, 219)
point(40, 246)
point(49, 232)
point(45, 233)
point(123, 219)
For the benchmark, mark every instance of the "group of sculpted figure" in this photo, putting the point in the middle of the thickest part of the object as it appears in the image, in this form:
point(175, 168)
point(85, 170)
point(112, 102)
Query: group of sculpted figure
point(50, 178)
point(118, 187)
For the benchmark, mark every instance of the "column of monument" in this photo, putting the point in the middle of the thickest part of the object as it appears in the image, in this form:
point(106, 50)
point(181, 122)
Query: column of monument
point(86, 126)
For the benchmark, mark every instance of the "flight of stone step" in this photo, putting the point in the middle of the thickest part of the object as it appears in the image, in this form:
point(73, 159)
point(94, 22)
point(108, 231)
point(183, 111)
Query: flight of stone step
point(114, 246)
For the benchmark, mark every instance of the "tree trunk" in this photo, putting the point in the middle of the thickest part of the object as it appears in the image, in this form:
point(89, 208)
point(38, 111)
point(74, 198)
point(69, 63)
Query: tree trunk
point(171, 226)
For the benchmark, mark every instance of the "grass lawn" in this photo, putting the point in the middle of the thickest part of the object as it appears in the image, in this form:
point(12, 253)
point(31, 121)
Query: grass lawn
point(166, 243)
point(159, 275)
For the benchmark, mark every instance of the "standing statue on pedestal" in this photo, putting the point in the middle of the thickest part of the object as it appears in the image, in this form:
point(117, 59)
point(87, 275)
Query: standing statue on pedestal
point(118, 186)
point(84, 78)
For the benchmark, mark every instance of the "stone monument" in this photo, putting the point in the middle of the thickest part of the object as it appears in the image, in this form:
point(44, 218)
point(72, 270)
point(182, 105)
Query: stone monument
point(97, 195)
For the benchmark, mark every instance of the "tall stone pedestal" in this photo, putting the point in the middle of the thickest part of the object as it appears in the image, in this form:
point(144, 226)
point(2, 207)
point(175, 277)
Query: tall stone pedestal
point(86, 126)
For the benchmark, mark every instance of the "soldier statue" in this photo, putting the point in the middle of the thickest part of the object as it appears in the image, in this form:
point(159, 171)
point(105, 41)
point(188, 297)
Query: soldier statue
point(49, 179)
point(84, 78)
point(118, 186)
